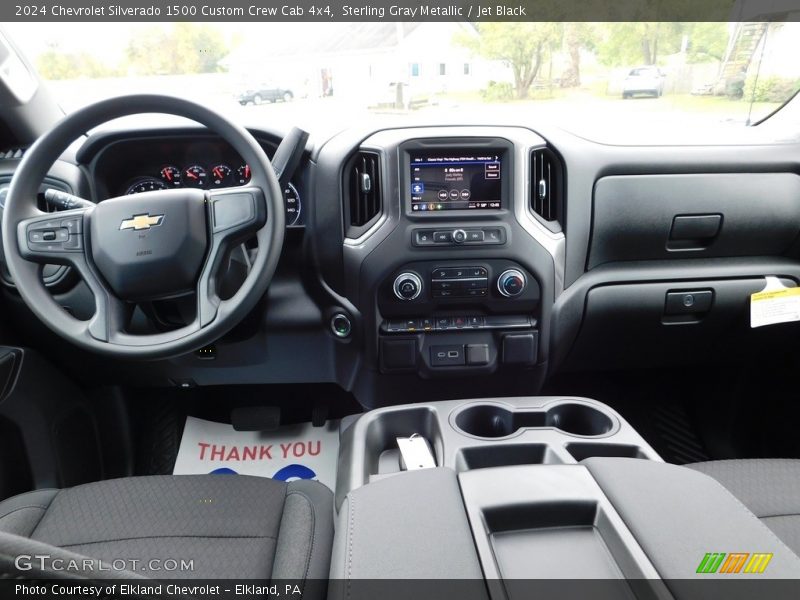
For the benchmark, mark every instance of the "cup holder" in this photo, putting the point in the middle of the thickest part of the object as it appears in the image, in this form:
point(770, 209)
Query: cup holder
point(579, 419)
point(495, 421)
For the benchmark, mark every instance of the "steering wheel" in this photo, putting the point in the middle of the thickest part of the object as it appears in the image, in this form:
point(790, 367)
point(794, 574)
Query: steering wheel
point(148, 246)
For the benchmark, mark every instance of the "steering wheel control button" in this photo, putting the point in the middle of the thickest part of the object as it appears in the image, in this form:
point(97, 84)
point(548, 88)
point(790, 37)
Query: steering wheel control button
point(341, 325)
point(40, 236)
point(447, 356)
point(75, 242)
point(407, 286)
point(73, 225)
point(511, 283)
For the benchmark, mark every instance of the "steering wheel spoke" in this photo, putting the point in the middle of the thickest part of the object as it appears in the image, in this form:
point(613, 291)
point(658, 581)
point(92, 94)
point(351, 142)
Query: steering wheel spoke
point(54, 238)
point(110, 315)
point(234, 215)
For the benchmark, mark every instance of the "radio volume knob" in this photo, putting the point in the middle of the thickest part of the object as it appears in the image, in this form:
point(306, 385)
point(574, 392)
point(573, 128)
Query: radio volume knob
point(459, 236)
point(511, 283)
point(407, 286)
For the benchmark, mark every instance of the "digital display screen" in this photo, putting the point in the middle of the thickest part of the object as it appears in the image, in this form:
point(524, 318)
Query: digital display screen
point(456, 180)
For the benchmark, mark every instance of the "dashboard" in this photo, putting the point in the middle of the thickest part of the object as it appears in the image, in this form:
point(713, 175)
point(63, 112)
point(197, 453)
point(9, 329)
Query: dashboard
point(132, 166)
point(453, 261)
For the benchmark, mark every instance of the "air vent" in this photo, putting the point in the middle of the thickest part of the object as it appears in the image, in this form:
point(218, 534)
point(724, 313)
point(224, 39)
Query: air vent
point(547, 185)
point(364, 189)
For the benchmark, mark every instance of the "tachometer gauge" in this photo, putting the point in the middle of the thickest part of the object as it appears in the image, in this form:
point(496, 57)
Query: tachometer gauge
point(291, 199)
point(171, 175)
point(243, 174)
point(220, 176)
point(146, 184)
point(194, 176)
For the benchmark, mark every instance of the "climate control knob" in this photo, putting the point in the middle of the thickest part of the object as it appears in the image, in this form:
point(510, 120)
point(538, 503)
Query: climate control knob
point(511, 283)
point(407, 286)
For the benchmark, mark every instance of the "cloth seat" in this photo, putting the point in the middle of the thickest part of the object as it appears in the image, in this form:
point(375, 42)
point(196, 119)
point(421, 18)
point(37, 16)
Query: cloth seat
point(228, 526)
point(770, 488)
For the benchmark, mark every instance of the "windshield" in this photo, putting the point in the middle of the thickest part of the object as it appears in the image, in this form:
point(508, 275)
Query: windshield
point(626, 76)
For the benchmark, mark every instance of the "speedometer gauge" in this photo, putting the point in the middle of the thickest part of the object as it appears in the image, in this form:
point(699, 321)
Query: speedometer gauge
point(146, 184)
point(291, 199)
point(194, 176)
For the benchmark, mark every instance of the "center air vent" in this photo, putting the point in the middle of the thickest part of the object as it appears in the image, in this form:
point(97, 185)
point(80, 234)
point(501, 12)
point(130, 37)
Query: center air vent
point(363, 190)
point(547, 185)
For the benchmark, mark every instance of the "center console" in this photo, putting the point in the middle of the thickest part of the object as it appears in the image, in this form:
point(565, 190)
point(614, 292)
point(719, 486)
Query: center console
point(467, 435)
point(555, 490)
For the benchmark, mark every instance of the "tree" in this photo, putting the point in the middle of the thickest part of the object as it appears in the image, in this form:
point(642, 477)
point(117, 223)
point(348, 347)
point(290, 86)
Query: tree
point(54, 64)
point(523, 46)
point(577, 36)
point(624, 44)
point(637, 42)
point(707, 41)
point(184, 48)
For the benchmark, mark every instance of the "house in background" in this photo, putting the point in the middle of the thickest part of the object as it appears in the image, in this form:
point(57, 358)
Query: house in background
point(365, 62)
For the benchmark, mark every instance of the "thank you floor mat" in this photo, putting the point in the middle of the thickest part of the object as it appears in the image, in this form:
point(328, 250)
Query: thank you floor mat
point(291, 452)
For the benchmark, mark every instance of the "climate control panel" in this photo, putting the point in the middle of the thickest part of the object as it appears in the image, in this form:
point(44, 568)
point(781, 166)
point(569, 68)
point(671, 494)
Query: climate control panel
point(493, 283)
point(443, 318)
point(460, 282)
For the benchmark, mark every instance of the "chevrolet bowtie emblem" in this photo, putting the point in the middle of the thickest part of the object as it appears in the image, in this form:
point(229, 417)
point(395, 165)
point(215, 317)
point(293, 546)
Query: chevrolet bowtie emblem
point(139, 222)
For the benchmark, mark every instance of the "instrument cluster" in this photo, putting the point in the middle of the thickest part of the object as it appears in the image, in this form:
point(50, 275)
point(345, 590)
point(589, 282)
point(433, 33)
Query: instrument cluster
point(211, 176)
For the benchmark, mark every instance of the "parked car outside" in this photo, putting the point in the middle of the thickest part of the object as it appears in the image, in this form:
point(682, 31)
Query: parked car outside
point(644, 80)
point(265, 93)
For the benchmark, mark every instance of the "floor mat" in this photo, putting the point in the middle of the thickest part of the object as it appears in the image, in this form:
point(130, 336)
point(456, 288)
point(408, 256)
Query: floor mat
point(291, 452)
point(681, 444)
point(668, 428)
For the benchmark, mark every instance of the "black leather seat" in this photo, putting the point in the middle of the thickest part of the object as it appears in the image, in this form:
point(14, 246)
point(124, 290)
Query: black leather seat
point(228, 526)
point(770, 488)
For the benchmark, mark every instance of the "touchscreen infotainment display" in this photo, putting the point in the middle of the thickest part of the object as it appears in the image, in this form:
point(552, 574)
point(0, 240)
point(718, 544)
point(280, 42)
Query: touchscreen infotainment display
point(456, 180)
